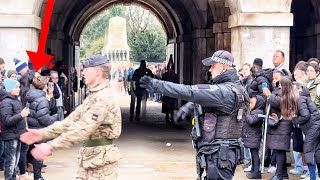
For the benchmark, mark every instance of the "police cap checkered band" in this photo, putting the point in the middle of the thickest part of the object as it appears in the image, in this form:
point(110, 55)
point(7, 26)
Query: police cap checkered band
point(95, 60)
point(221, 56)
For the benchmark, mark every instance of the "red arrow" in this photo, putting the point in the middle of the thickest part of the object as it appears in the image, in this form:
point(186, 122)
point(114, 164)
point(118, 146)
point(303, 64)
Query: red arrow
point(39, 58)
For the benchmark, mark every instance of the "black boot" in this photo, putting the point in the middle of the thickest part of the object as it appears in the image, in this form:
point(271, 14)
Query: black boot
point(131, 118)
point(167, 120)
point(254, 175)
point(137, 118)
point(173, 124)
point(285, 173)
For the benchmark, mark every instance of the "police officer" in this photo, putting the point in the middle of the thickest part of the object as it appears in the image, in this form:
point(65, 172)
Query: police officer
point(224, 104)
point(96, 122)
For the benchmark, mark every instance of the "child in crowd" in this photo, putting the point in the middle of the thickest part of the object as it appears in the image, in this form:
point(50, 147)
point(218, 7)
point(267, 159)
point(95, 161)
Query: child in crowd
point(252, 134)
point(13, 125)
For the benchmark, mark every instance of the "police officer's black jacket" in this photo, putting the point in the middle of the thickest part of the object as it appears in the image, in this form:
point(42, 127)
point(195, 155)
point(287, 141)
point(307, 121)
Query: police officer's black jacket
point(39, 116)
point(13, 125)
point(308, 120)
point(219, 96)
point(252, 132)
point(278, 138)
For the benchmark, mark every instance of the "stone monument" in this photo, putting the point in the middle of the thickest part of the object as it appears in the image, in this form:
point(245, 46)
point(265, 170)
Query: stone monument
point(116, 43)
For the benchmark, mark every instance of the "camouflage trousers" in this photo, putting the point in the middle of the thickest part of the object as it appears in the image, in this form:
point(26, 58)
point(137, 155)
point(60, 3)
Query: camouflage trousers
point(101, 173)
point(98, 163)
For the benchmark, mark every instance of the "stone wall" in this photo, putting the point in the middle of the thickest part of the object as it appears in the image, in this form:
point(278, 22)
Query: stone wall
point(19, 29)
point(222, 33)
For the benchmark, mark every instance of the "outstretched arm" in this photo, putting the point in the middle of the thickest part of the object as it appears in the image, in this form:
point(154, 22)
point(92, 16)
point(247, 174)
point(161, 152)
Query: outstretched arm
point(217, 96)
point(59, 127)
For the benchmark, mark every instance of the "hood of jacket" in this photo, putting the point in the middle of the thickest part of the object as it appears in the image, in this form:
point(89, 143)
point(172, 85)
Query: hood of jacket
point(3, 94)
point(228, 76)
point(34, 94)
point(304, 91)
point(267, 73)
point(261, 102)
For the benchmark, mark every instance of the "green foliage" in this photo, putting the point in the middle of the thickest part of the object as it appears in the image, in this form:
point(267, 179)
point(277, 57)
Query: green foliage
point(95, 48)
point(150, 45)
point(146, 39)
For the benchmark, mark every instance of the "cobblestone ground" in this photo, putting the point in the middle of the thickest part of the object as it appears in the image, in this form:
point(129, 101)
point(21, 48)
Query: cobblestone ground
point(146, 151)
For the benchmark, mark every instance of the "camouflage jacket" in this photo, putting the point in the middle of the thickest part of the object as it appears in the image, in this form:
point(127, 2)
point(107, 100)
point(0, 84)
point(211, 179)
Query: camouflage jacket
point(82, 123)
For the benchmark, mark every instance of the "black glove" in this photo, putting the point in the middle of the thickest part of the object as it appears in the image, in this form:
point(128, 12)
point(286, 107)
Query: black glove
point(183, 112)
point(146, 82)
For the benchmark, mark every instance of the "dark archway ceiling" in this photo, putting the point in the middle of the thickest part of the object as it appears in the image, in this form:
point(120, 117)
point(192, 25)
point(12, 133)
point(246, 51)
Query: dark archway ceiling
point(178, 17)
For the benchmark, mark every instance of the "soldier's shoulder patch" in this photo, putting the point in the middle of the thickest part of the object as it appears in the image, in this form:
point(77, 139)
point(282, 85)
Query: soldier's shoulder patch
point(95, 116)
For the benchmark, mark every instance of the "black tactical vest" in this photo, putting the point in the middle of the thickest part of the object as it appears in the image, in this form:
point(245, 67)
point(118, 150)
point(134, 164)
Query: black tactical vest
point(229, 126)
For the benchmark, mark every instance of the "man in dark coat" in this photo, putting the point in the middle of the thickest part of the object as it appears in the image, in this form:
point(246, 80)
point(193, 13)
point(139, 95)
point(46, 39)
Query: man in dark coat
point(139, 91)
point(222, 101)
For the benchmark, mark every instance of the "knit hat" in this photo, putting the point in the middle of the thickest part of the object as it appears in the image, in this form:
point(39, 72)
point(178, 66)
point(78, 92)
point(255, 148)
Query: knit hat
point(10, 84)
point(19, 64)
point(10, 72)
point(40, 82)
point(1, 61)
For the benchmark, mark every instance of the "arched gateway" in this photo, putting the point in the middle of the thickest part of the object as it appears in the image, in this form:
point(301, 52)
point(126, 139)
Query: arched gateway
point(195, 29)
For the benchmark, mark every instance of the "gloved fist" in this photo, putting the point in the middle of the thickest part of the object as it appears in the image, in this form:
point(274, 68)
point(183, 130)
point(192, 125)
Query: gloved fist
point(183, 112)
point(146, 82)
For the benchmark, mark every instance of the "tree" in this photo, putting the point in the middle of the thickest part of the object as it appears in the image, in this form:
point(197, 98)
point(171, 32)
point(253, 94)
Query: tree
point(150, 45)
point(95, 48)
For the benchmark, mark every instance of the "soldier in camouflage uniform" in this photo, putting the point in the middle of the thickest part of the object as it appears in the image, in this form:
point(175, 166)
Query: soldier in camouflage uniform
point(96, 122)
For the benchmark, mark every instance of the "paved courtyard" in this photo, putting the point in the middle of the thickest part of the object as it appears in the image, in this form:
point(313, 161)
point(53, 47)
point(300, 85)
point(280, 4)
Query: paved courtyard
point(146, 152)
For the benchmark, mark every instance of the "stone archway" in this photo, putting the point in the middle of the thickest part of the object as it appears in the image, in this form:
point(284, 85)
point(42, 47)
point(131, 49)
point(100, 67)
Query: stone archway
point(305, 38)
point(186, 23)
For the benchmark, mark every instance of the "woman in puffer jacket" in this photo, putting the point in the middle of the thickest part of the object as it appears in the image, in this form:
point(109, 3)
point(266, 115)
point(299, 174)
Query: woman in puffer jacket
point(278, 137)
point(308, 120)
point(39, 114)
point(252, 134)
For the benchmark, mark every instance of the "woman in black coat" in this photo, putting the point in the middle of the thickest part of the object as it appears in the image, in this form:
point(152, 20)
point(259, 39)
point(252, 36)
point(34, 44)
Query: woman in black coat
point(252, 134)
point(308, 120)
point(278, 137)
